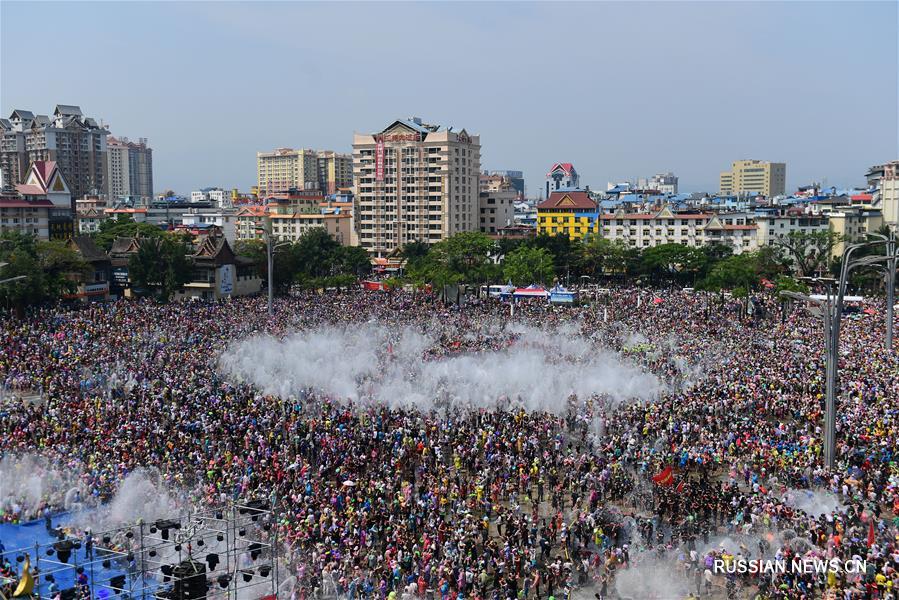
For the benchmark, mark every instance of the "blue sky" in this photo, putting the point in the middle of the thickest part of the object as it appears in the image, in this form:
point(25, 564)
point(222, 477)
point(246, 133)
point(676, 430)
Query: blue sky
point(622, 90)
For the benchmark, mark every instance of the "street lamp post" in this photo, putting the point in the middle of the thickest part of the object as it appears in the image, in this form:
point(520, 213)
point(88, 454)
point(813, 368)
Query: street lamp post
point(887, 262)
point(11, 279)
point(270, 254)
point(826, 308)
point(831, 309)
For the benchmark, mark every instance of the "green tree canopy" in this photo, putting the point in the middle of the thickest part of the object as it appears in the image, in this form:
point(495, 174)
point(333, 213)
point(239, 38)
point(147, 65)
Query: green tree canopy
point(465, 257)
point(739, 271)
point(123, 226)
point(49, 269)
point(527, 265)
point(809, 252)
point(673, 261)
point(160, 265)
point(785, 283)
point(601, 256)
point(315, 253)
point(414, 252)
point(566, 253)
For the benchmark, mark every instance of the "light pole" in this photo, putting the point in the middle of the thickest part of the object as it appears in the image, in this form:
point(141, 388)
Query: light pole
point(831, 309)
point(11, 279)
point(825, 308)
point(887, 262)
point(270, 253)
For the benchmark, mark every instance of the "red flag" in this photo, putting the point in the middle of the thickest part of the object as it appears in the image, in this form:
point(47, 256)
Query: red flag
point(871, 531)
point(665, 478)
point(680, 486)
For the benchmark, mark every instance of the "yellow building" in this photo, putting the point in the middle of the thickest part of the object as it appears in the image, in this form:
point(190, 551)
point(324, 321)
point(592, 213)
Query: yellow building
point(568, 213)
point(853, 224)
point(754, 177)
point(286, 169)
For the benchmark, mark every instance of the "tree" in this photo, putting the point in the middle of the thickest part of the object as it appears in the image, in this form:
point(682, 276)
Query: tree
point(62, 267)
point(600, 256)
point(466, 256)
point(315, 253)
point(352, 260)
point(254, 249)
point(506, 245)
point(566, 254)
point(770, 262)
point(50, 269)
point(123, 226)
point(809, 251)
point(160, 264)
point(785, 283)
point(529, 265)
point(716, 252)
point(673, 261)
point(414, 252)
point(739, 271)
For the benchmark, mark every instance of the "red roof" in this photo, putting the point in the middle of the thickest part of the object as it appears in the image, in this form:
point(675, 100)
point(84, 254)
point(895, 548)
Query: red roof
point(566, 167)
point(569, 200)
point(30, 189)
point(861, 198)
point(12, 202)
point(645, 216)
point(45, 169)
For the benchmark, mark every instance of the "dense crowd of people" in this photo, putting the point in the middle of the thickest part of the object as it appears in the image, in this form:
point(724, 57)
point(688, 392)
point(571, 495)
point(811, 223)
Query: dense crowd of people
point(490, 502)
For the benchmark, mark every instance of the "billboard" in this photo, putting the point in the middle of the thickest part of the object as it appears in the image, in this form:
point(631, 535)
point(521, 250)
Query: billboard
point(226, 279)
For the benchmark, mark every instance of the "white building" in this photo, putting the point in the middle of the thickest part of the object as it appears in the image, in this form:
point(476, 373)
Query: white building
point(130, 166)
point(41, 206)
point(414, 182)
point(738, 231)
point(220, 197)
point(777, 224)
point(645, 230)
point(90, 219)
point(666, 183)
point(223, 219)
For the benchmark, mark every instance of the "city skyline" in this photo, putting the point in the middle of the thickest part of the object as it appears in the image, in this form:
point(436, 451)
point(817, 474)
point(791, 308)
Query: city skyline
point(619, 95)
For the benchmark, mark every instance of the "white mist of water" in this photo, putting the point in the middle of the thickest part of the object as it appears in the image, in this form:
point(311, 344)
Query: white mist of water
point(539, 372)
point(813, 502)
point(29, 481)
point(652, 579)
point(141, 495)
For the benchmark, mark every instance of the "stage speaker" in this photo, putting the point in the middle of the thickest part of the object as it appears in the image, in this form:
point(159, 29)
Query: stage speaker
point(189, 578)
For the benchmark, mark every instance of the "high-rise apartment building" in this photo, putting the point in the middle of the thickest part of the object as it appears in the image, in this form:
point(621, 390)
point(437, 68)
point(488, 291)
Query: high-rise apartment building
point(287, 169)
point(130, 168)
point(77, 144)
point(414, 181)
point(751, 177)
point(335, 171)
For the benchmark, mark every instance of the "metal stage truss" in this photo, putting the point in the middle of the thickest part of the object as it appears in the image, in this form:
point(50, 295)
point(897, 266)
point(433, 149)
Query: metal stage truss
point(221, 554)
